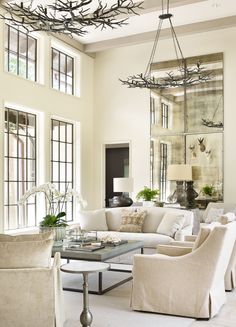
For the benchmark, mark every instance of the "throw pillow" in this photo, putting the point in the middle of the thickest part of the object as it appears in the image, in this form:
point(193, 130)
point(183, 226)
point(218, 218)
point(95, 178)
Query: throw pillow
point(132, 220)
point(214, 214)
point(227, 218)
point(93, 220)
point(27, 237)
point(171, 223)
point(30, 254)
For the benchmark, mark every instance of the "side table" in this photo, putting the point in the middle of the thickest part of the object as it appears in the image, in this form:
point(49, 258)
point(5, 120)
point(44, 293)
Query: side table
point(85, 268)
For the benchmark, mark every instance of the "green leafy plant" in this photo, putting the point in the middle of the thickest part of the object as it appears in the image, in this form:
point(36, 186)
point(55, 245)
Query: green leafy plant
point(54, 221)
point(147, 194)
point(208, 190)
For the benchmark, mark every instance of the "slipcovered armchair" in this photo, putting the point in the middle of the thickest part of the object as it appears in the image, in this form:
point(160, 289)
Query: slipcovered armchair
point(31, 290)
point(190, 285)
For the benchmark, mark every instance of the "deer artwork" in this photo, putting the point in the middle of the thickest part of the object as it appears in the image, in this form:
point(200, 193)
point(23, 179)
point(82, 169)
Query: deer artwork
point(192, 149)
point(201, 144)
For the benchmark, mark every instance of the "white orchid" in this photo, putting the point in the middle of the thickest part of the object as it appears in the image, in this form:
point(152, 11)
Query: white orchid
point(54, 199)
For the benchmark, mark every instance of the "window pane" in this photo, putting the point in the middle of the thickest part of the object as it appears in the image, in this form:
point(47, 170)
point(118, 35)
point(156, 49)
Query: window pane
point(31, 71)
point(69, 152)
point(22, 146)
point(31, 48)
point(31, 215)
point(63, 63)
point(62, 131)
point(22, 123)
point(22, 44)
point(22, 169)
point(69, 66)
point(69, 134)
point(31, 125)
point(62, 152)
point(13, 169)
point(13, 63)
point(55, 80)
point(13, 40)
point(55, 151)
point(62, 172)
point(55, 173)
point(12, 193)
point(69, 172)
point(13, 223)
point(55, 130)
point(12, 145)
point(55, 59)
point(22, 67)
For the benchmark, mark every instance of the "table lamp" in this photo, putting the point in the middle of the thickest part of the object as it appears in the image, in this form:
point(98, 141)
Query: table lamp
point(179, 173)
point(124, 185)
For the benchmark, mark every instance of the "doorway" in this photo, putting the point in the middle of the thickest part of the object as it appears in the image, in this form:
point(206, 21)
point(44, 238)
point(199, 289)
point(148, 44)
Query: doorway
point(116, 165)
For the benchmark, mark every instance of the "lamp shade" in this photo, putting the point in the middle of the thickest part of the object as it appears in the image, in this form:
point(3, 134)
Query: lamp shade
point(179, 173)
point(123, 184)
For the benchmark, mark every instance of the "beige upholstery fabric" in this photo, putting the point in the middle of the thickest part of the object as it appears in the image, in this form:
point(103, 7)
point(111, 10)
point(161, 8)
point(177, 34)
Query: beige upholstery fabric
point(227, 218)
point(132, 221)
point(31, 297)
point(171, 223)
point(27, 237)
point(191, 285)
point(173, 250)
point(30, 254)
point(219, 205)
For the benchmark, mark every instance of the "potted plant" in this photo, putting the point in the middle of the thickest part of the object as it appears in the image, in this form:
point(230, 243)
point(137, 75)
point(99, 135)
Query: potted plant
point(147, 195)
point(54, 204)
point(208, 190)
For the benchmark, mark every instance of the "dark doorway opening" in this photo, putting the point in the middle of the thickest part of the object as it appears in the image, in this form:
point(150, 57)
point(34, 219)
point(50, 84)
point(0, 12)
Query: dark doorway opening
point(117, 165)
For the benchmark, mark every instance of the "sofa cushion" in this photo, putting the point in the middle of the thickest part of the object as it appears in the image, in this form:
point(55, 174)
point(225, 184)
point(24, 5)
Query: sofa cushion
point(171, 223)
point(227, 218)
point(214, 214)
point(26, 237)
point(93, 220)
point(132, 220)
point(30, 254)
point(151, 240)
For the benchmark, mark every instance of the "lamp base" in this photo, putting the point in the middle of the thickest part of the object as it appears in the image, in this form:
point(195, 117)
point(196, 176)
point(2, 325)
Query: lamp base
point(179, 195)
point(120, 201)
point(191, 195)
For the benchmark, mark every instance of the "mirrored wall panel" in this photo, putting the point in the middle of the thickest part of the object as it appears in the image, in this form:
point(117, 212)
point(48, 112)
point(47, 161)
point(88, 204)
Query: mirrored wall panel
point(187, 128)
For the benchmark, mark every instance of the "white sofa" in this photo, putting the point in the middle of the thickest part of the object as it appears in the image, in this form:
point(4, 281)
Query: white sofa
point(113, 217)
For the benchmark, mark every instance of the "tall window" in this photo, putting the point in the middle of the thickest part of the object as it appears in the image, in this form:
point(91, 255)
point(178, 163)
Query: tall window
point(62, 72)
point(62, 159)
point(164, 114)
point(19, 168)
point(20, 53)
point(163, 170)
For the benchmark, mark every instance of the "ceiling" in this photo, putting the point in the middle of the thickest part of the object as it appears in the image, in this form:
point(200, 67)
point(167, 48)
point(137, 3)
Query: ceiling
point(189, 16)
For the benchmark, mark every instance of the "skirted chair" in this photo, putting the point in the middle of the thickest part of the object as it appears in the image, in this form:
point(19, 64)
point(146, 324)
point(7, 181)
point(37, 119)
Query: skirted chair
point(190, 285)
point(192, 242)
point(31, 290)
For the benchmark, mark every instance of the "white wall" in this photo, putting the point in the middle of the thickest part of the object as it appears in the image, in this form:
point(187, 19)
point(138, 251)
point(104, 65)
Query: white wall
point(123, 114)
point(49, 102)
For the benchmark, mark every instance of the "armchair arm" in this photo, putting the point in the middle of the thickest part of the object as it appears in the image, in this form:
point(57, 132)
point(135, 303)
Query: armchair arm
point(190, 238)
point(181, 243)
point(180, 234)
point(173, 251)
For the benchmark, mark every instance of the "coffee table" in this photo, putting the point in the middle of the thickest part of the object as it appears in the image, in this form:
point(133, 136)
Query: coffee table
point(101, 255)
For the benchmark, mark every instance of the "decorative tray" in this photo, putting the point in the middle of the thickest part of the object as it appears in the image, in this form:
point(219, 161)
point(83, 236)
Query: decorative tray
point(114, 243)
point(85, 248)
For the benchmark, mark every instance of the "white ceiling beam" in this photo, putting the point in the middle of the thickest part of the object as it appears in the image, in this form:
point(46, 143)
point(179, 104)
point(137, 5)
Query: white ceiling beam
point(200, 27)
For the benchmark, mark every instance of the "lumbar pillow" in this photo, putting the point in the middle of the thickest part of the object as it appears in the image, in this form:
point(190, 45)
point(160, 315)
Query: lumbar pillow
point(30, 254)
point(27, 237)
point(227, 218)
point(171, 223)
point(132, 220)
point(93, 220)
point(214, 214)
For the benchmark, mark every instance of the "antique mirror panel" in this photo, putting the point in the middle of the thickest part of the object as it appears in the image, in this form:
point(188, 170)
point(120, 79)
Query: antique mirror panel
point(187, 127)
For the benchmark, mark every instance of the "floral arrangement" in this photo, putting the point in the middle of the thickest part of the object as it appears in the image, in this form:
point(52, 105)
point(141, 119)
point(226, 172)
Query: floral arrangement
point(54, 203)
point(107, 238)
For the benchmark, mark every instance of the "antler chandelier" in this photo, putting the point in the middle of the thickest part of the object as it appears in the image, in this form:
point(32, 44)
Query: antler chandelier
point(68, 17)
point(187, 76)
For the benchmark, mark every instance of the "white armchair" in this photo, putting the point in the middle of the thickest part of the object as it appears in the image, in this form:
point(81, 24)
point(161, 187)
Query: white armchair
point(190, 285)
point(31, 290)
